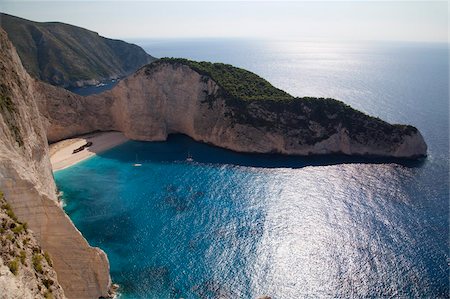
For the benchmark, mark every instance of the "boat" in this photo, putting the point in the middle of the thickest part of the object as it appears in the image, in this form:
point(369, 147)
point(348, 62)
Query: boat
point(79, 149)
point(137, 164)
point(189, 158)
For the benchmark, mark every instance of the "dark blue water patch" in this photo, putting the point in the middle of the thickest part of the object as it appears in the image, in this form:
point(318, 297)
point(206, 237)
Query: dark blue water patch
point(94, 89)
point(178, 148)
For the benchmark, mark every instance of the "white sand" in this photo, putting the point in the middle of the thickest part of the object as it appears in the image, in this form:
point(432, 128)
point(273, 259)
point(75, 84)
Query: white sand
point(61, 152)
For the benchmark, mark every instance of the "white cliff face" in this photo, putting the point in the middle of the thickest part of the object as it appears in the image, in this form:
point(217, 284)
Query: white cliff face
point(149, 107)
point(66, 114)
point(12, 287)
point(27, 181)
point(166, 98)
point(411, 146)
point(25, 270)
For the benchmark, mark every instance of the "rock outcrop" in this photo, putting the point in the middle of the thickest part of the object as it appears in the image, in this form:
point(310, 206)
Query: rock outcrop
point(171, 96)
point(25, 270)
point(27, 181)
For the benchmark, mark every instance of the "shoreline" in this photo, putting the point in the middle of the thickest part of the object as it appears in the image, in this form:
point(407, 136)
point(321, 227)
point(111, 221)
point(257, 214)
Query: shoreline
point(61, 152)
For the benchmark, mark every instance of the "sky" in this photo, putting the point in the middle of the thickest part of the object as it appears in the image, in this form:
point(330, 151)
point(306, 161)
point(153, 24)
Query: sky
point(333, 20)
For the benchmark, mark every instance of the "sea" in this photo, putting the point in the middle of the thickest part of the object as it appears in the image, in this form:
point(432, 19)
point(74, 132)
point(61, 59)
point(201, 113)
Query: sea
point(230, 225)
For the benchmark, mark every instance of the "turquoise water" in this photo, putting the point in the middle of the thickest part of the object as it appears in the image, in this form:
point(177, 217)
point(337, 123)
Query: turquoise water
point(230, 225)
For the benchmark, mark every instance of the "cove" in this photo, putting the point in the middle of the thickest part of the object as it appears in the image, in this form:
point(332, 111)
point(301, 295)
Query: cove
point(242, 226)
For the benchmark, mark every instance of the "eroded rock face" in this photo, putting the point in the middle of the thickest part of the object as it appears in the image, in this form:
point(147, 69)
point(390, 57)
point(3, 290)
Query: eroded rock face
point(25, 270)
point(27, 181)
point(164, 98)
point(66, 114)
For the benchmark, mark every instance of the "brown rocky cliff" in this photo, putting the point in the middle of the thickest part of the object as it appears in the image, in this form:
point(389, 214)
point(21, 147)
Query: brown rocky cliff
point(27, 182)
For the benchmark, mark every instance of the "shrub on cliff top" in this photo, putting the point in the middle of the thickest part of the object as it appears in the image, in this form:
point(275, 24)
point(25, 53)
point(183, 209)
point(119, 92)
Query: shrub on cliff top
point(237, 82)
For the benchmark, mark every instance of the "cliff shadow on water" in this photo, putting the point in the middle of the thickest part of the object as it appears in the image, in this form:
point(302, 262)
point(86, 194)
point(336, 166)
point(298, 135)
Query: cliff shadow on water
point(94, 89)
point(182, 148)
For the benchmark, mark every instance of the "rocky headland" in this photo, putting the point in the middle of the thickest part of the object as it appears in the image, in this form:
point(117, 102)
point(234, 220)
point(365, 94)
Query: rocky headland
point(227, 107)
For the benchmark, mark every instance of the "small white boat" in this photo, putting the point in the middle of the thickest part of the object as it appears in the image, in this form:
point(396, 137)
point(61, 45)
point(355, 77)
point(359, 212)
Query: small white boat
point(189, 158)
point(136, 164)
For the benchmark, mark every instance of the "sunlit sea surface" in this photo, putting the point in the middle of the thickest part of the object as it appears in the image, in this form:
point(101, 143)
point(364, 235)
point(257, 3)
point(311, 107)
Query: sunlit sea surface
point(230, 225)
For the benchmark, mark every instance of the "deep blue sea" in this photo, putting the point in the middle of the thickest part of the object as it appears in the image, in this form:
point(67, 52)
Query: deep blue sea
point(231, 225)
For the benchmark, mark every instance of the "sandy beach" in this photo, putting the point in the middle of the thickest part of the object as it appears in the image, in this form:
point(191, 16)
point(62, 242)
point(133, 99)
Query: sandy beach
point(61, 153)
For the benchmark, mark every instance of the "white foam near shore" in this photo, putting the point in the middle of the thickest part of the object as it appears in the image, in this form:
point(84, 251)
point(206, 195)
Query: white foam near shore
point(62, 156)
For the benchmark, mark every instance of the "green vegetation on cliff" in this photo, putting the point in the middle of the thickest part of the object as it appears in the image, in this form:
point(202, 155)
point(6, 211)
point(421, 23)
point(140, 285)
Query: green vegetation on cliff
point(254, 101)
point(237, 82)
point(25, 259)
point(66, 55)
point(313, 120)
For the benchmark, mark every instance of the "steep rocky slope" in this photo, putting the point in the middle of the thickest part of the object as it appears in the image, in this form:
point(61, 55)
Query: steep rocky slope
point(25, 270)
point(180, 96)
point(66, 55)
point(27, 182)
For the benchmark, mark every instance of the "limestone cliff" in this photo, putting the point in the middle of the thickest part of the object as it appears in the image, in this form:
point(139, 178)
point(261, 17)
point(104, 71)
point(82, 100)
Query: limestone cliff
point(173, 96)
point(25, 270)
point(27, 182)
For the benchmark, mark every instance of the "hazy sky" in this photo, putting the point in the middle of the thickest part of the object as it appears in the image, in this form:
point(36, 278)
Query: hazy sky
point(362, 20)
